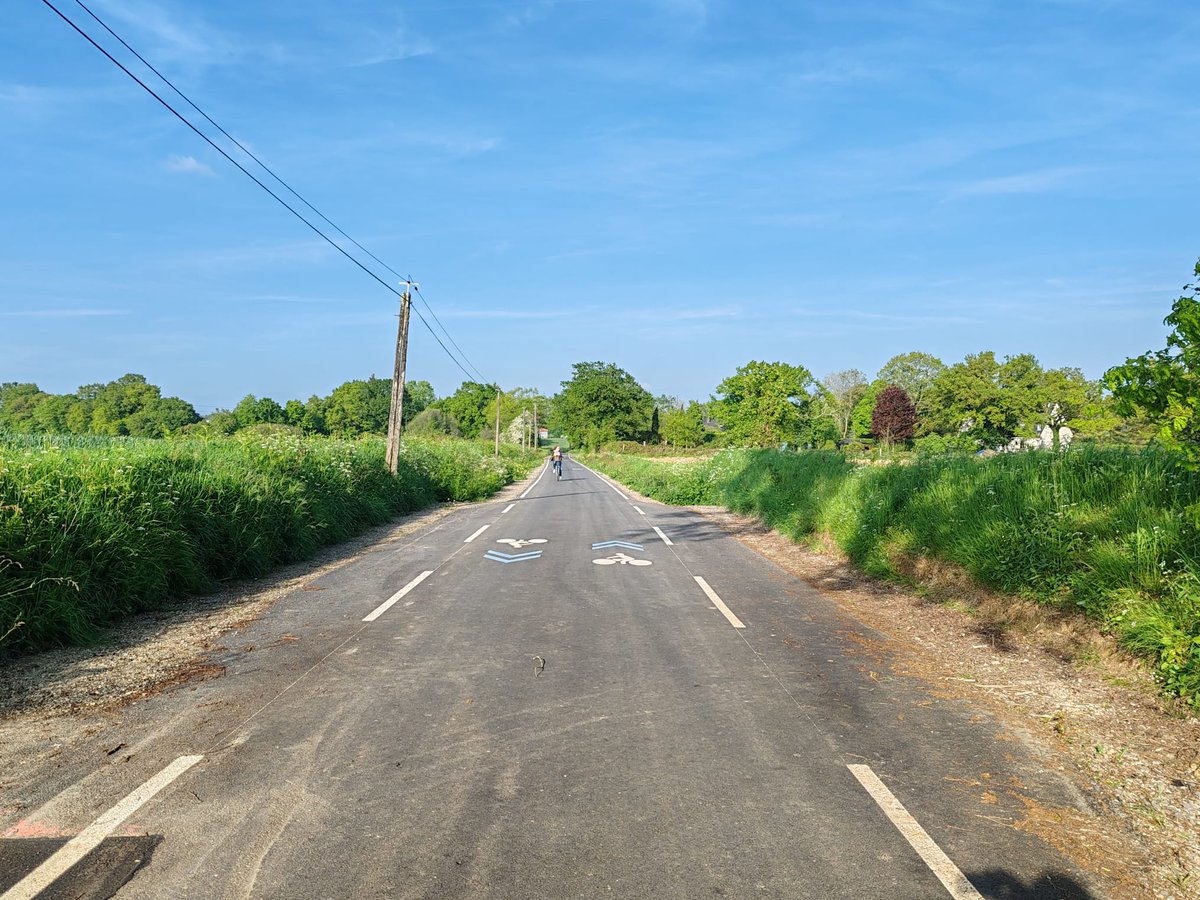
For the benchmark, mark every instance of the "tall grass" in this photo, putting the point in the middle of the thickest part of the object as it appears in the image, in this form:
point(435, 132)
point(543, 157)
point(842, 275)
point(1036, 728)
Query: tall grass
point(98, 529)
point(1110, 533)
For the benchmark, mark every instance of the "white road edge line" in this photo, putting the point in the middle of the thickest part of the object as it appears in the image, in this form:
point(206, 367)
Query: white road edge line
point(91, 837)
point(666, 540)
point(481, 530)
point(939, 863)
point(545, 469)
point(390, 601)
point(719, 603)
point(507, 508)
point(639, 509)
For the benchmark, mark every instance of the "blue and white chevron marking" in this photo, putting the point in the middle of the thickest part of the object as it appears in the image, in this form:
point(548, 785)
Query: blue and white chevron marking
point(497, 556)
point(604, 545)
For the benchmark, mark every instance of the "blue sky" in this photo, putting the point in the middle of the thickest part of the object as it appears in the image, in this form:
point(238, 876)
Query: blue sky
point(675, 186)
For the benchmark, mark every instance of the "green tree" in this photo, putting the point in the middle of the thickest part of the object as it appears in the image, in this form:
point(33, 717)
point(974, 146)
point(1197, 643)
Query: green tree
point(161, 417)
point(1164, 385)
point(417, 397)
point(986, 400)
point(253, 410)
point(683, 427)
point(473, 407)
point(860, 419)
point(601, 402)
point(433, 422)
point(842, 391)
point(765, 404)
point(113, 404)
point(914, 373)
point(18, 405)
point(220, 421)
point(359, 407)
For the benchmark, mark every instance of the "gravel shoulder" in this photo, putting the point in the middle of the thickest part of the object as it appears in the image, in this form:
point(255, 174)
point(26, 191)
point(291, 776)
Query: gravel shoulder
point(1094, 711)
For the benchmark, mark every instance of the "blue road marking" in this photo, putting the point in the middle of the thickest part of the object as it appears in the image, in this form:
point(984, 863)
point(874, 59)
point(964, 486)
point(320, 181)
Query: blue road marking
point(628, 546)
point(497, 556)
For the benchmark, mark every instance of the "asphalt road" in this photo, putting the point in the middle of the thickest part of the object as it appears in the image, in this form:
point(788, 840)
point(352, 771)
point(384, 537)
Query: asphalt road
point(671, 716)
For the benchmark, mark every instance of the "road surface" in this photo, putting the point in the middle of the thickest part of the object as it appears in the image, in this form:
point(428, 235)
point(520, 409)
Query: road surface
point(571, 694)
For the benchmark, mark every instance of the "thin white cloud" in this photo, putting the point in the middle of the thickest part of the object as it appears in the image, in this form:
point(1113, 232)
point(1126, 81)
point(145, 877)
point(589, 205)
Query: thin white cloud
point(36, 98)
point(1036, 182)
point(399, 46)
point(548, 312)
point(188, 165)
point(173, 36)
point(81, 313)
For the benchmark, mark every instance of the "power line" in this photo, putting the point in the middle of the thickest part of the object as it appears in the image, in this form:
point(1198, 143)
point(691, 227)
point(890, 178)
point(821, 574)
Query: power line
point(249, 174)
point(447, 333)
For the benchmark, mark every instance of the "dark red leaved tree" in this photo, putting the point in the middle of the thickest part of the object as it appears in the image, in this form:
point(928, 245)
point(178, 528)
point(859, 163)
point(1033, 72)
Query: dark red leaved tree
point(893, 417)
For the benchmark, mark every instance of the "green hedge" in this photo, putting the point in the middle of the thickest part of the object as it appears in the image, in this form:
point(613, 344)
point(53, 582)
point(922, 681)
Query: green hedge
point(1111, 533)
point(92, 531)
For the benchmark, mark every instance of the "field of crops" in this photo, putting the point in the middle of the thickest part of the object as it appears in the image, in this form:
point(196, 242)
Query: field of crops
point(1109, 533)
point(95, 529)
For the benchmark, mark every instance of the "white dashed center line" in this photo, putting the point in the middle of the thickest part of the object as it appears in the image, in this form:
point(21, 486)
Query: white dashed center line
point(939, 863)
point(392, 600)
point(719, 603)
point(91, 837)
point(481, 530)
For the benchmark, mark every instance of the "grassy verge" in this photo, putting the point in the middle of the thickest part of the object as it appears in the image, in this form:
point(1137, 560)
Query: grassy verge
point(93, 530)
point(1112, 534)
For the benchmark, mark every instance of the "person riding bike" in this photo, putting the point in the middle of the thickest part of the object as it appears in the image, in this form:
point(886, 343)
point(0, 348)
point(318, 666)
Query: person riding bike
point(556, 458)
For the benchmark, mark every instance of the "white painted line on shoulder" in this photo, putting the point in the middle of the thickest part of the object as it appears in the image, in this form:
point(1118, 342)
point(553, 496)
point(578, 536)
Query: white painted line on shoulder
point(939, 863)
point(481, 530)
point(91, 837)
point(507, 508)
point(639, 509)
point(392, 600)
point(719, 603)
point(666, 540)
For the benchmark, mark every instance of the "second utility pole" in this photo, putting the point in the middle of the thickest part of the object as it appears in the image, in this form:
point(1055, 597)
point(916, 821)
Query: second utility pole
point(497, 420)
point(395, 416)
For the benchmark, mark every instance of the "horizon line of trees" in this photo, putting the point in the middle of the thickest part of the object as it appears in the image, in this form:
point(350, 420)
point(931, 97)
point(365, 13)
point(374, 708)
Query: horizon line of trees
point(915, 398)
point(131, 406)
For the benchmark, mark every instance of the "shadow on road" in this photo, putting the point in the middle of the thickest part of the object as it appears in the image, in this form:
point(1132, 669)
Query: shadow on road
point(998, 884)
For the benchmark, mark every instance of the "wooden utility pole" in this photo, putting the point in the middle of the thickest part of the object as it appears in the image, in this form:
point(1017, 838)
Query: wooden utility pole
point(537, 438)
point(497, 420)
point(395, 421)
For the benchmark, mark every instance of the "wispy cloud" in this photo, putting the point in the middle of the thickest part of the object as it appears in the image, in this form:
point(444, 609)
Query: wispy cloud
point(556, 312)
point(400, 45)
point(167, 35)
point(188, 165)
point(79, 313)
point(289, 252)
point(1036, 182)
point(28, 98)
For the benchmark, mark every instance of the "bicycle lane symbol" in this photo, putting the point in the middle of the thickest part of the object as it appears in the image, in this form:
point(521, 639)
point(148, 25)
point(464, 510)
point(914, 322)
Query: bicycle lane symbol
point(623, 559)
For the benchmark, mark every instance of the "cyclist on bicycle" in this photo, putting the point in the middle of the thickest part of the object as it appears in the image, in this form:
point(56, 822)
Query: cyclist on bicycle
point(556, 457)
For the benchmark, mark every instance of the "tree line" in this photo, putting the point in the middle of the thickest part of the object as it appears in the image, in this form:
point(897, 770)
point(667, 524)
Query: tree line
point(915, 398)
point(132, 406)
point(979, 403)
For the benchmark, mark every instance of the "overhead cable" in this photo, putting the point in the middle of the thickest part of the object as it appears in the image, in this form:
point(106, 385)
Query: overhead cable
point(247, 172)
